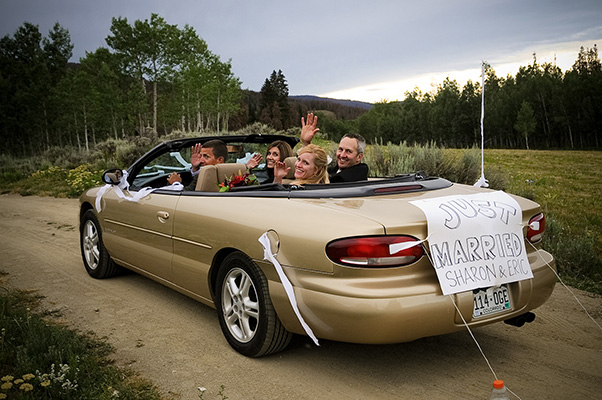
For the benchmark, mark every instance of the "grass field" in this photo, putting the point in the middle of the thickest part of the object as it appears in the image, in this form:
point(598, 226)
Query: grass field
point(568, 185)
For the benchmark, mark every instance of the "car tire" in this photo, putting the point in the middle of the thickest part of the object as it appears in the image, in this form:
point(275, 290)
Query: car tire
point(246, 313)
point(96, 258)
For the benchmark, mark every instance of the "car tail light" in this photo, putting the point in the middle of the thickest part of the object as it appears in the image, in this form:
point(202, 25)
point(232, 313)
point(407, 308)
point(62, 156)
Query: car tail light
point(537, 226)
point(375, 251)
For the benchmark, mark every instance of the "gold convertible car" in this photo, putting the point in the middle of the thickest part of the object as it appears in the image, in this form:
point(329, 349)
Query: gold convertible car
point(352, 262)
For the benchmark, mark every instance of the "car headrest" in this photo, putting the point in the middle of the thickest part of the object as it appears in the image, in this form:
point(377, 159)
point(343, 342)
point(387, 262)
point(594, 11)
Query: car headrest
point(290, 162)
point(212, 175)
point(227, 170)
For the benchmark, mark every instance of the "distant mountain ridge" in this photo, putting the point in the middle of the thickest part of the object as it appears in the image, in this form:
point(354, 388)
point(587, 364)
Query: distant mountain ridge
point(348, 103)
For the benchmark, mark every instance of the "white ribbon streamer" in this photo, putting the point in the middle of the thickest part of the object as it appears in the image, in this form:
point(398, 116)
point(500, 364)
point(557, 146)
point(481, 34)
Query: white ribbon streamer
point(124, 185)
point(288, 287)
point(140, 194)
point(176, 186)
point(397, 247)
point(101, 192)
point(482, 182)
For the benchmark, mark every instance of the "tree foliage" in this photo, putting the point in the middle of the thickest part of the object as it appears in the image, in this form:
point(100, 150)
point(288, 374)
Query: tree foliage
point(541, 107)
point(29, 65)
point(153, 78)
point(525, 121)
point(274, 105)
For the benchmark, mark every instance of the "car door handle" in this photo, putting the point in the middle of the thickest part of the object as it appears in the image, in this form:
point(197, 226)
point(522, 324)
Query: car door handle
point(163, 216)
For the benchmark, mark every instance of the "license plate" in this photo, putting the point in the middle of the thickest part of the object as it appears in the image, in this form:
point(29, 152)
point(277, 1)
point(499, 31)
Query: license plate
point(491, 301)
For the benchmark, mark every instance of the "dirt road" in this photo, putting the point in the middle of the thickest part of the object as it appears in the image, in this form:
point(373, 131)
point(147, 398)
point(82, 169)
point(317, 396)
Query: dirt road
point(177, 343)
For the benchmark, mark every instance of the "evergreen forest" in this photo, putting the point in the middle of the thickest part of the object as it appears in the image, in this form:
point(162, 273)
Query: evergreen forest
point(154, 78)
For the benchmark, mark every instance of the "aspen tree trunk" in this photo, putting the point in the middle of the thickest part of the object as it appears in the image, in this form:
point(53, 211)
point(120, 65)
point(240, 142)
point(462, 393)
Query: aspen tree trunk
point(155, 106)
point(79, 144)
point(114, 119)
point(140, 119)
point(46, 126)
point(218, 112)
point(86, 128)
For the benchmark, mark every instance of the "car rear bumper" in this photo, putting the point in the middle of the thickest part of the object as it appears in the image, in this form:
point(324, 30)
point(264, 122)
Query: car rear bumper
point(405, 317)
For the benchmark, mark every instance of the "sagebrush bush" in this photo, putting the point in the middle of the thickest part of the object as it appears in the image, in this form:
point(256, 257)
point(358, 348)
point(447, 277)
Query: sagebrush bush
point(390, 159)
point(128, 152)
point(182, 134)
point(11, 168)
point(497, 179)
point(576, 258)
point(467, 168)
point(433, 160)
point(257, 128)
point(394, 159)
point(65, 157)
point(108, 148)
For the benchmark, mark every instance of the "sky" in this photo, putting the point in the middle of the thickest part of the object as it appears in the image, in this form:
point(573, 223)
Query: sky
point(359, 50)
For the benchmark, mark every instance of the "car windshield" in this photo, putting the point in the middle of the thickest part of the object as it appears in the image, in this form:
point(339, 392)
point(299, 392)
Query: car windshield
point(155, 171)
point(241, 153)
point(163, 165)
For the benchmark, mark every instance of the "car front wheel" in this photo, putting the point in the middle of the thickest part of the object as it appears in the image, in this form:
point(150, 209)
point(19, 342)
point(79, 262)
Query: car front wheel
point(246, 314)
point(96, 258)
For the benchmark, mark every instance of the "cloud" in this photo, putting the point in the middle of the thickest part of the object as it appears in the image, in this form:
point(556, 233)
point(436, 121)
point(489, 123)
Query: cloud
point(561, 54)
point(384, 47)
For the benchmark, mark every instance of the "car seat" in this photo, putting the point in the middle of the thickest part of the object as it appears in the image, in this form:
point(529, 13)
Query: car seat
point(290, 175)
point(210, 176)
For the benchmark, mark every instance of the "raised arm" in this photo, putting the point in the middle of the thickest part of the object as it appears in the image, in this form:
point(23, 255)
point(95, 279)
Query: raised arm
point(280, 171)
point(195, 157)
point(254, 161)
point(308, 130)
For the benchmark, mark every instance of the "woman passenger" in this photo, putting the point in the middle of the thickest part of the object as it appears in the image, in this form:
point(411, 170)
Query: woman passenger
point(310, 167)
point(277, 152)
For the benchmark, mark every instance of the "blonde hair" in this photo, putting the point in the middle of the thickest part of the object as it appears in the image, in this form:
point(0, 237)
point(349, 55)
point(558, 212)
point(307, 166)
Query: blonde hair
point(321, 163)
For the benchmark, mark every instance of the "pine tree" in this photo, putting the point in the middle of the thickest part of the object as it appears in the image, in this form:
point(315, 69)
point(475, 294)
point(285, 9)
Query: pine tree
point(274, 106)
point(525, 122)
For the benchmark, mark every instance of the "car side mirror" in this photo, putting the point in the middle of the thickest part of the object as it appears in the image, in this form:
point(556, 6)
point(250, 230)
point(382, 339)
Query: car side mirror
point(112, 176)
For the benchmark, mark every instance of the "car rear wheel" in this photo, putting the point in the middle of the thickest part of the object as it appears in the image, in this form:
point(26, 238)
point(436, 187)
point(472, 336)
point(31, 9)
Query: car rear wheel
point(246, 313)
point(96, 258)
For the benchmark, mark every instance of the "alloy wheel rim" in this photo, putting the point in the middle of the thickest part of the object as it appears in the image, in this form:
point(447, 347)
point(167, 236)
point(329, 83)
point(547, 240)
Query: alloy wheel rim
point(90, 245)
point(240, 306)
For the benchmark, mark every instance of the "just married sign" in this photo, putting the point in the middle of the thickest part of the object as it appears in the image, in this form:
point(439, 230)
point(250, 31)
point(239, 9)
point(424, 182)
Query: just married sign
point(475, 241)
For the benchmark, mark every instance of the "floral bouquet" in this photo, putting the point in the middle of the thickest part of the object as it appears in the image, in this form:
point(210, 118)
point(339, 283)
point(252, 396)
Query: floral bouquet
point(246, 179)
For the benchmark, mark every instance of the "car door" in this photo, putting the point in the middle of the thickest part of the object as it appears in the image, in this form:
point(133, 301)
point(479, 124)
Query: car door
point(139, 233)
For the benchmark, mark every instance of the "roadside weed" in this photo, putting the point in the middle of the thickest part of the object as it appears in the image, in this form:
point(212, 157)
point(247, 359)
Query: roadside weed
point(42, 360)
